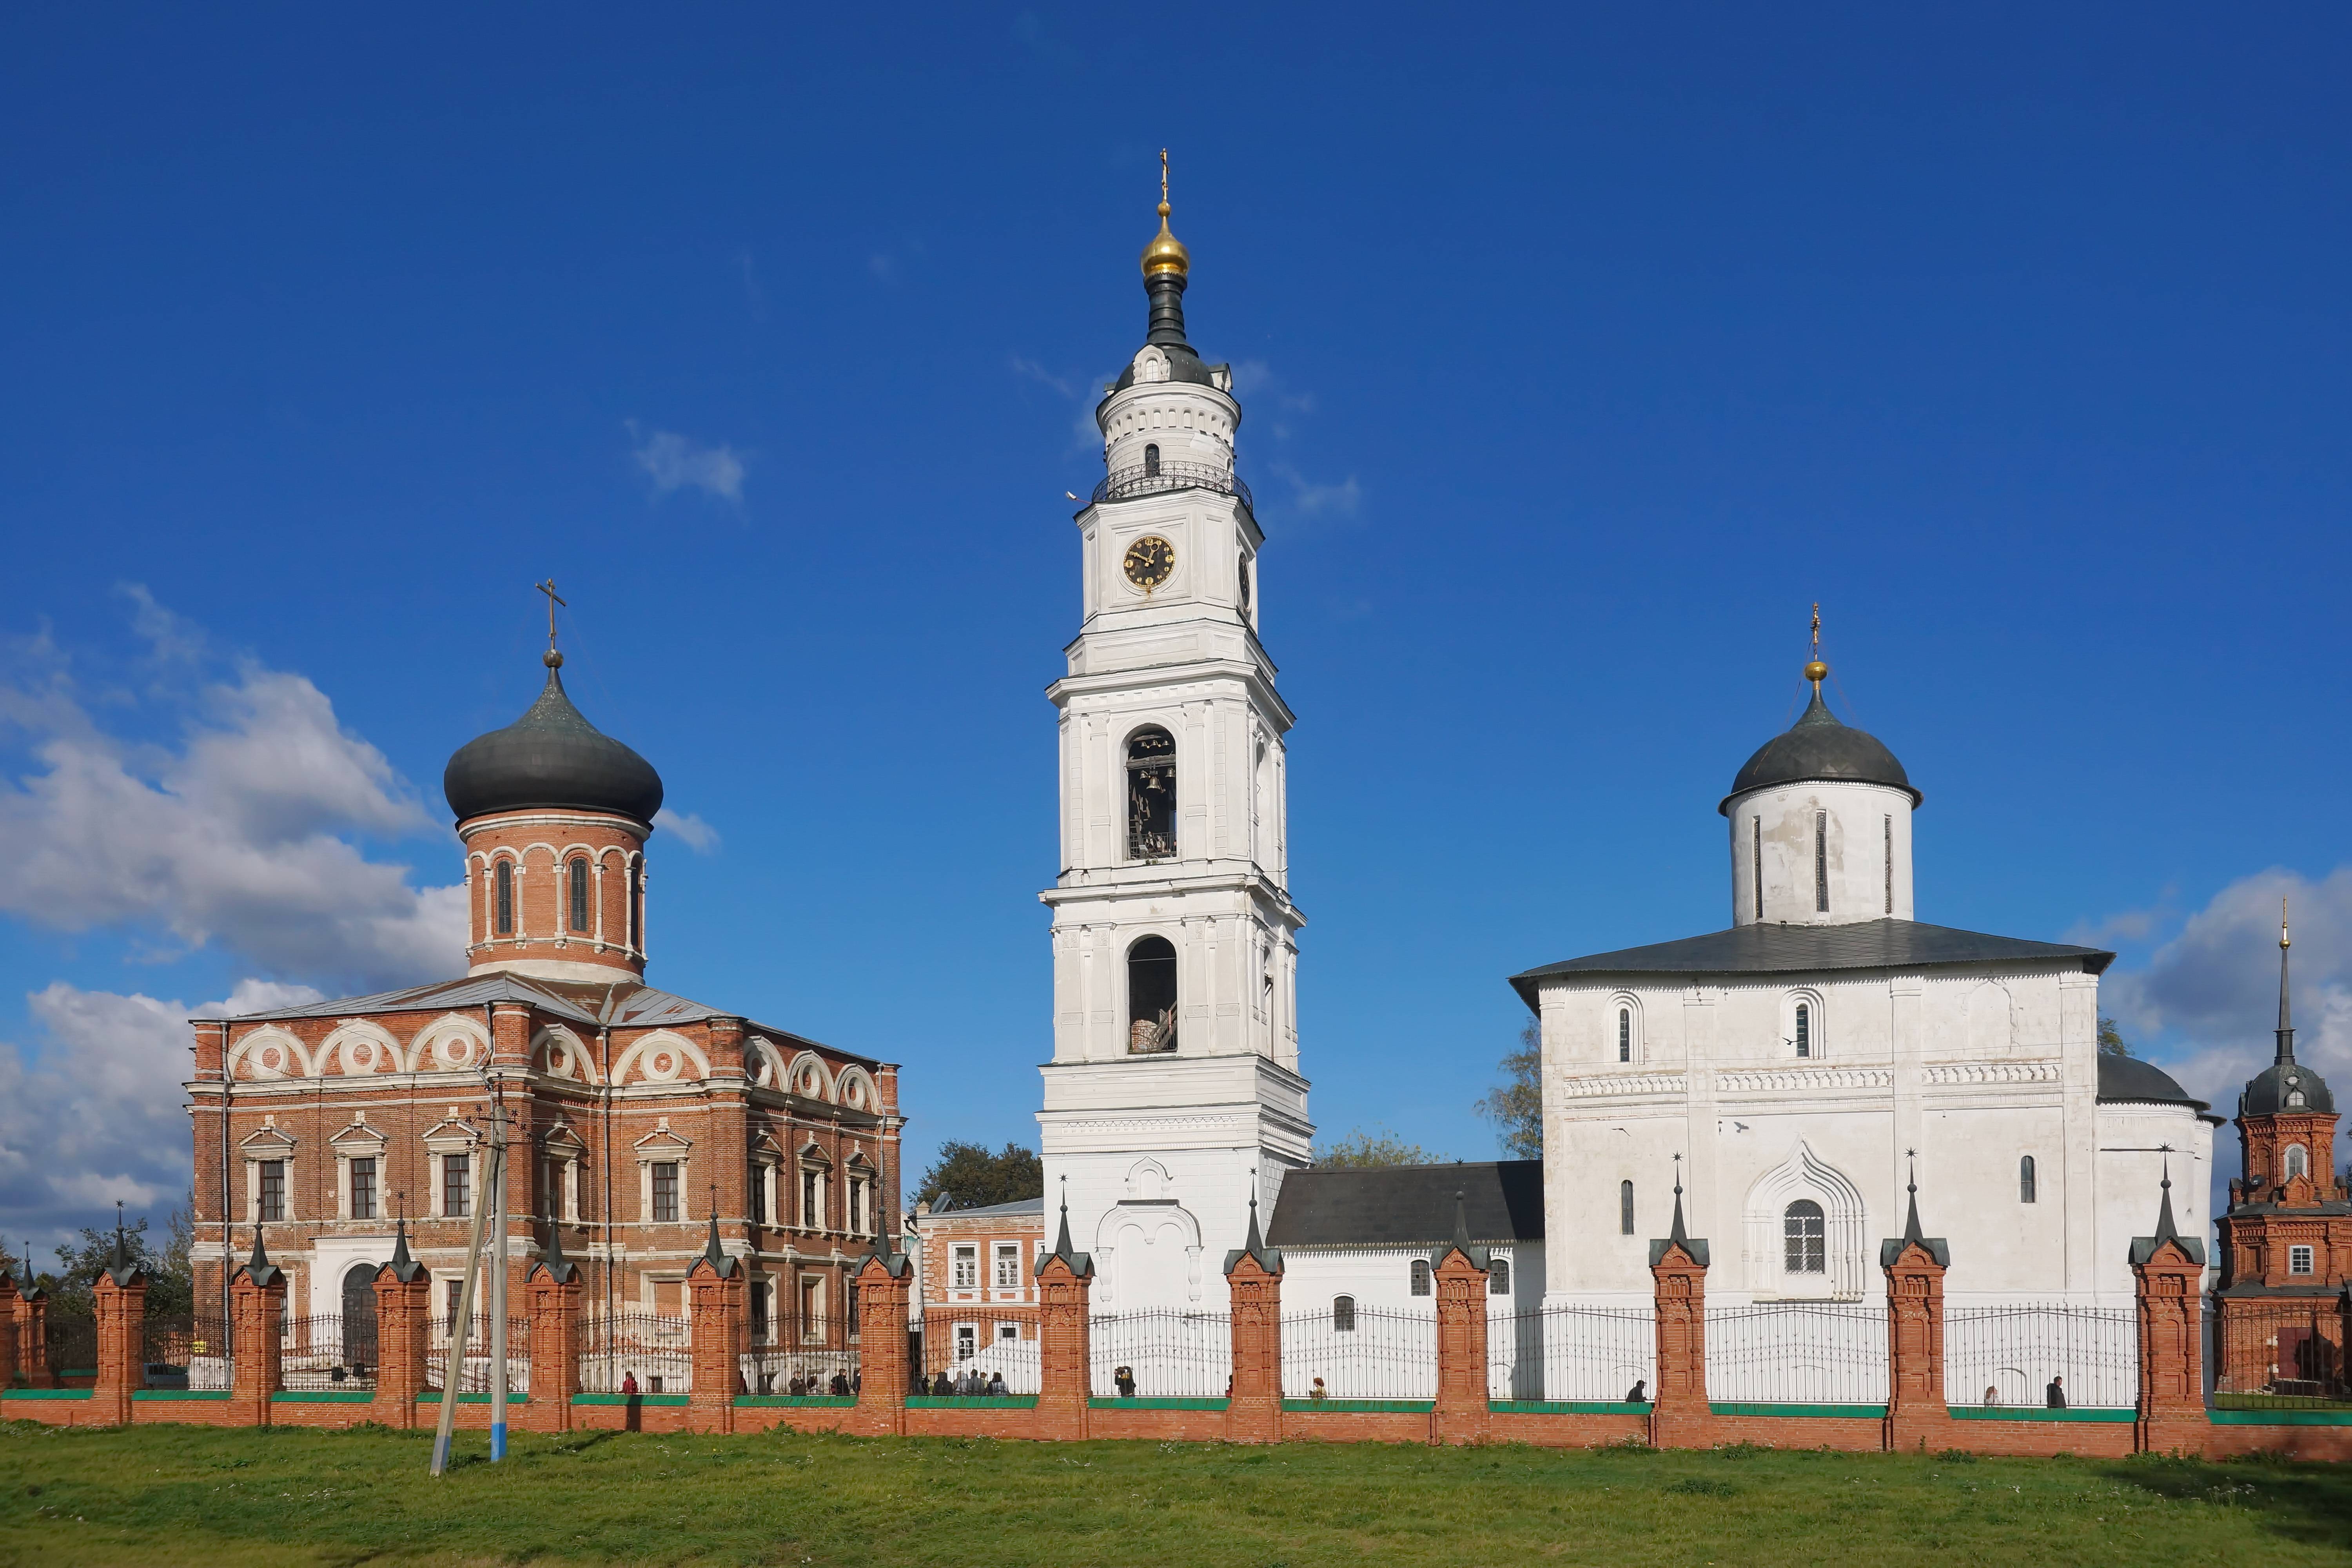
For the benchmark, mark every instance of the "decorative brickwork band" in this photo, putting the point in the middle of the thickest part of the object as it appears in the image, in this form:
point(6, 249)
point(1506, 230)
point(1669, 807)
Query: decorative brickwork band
point(715, 1327)
point(1066, 1281)
point(2169, 1272)
point(1459, 1273)
point(553, 1290)
point(884, 1283)
point(1679, 1417)
point(257, 1306)
point(1917, 1415)
point(1254, 1282)
point(119, 1300)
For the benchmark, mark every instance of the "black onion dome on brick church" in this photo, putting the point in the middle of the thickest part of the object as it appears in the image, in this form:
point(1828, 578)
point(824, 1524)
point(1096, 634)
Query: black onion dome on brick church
point(550, 757)
point(1819, 749)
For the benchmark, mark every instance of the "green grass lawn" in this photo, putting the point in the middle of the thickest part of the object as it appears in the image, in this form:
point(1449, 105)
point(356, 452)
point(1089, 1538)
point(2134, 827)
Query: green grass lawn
point(173, 1495)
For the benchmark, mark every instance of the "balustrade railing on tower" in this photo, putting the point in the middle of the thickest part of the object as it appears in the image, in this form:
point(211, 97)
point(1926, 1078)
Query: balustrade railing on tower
point(1161, 1354)
point(1148, 479)
point(1585, 1354)
point(1358, 1352)
point(2006, 1354)
point(1796, 1353)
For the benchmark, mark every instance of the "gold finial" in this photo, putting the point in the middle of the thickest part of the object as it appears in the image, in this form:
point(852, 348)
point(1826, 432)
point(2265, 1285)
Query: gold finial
point(2283, 942)
point(553, 659)
point(1166, 253)
point(1815, 670)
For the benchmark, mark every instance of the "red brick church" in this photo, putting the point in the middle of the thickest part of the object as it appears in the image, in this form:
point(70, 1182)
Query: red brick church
point(636, 1114)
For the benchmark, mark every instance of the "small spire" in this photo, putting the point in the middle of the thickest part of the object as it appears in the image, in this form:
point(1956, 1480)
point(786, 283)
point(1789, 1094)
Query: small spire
point(556, 1265)
point(1257, 1243)
point(1911, 1221)
point(1677, 1234)
point(1815, 670)
point(258, 1265)
point(1461, 1223)
point(553, 659)
point(121, 1252)
point(403, 1265)
point(2286, 1019)
point(2165, 1229)
point(1062, 1240)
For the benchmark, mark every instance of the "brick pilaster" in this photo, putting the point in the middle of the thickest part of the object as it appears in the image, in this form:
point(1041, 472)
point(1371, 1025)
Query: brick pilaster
point(1459, 1274)
point(554, 1288)
point(32, 1339)
point(11, 1311)
point(257, 1303)
point(403, 1307)
point(1679, 1416)
point(715, 1330)
point(2171, 1403)
point(119, 1300)
point(884, 1283)
point(1917, 1416)
point(1063, 1296)
point(1254, 1411)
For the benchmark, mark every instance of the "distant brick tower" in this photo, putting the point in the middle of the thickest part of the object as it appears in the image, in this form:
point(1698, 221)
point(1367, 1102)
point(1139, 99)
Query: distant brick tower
point(2286, 1241)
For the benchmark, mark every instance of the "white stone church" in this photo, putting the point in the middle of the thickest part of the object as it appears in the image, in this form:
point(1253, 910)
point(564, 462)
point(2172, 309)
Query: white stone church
point(1791, 1070)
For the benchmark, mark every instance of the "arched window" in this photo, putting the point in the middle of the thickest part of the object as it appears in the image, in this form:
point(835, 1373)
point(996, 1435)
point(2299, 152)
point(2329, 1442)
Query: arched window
point(1420, 1275)
point(1152, 460)
point(1625, 1208)
point(1343, 1314)
point(505, 879)
point(2298, 1162)
point(1801, 1227)
point(1498, 1276)
point(1624, 1034)
point(580, 892)
point(1804, 1029)
point(2025, 1179)
point(1151, 997)
point(638, 908)
point(1151, 795)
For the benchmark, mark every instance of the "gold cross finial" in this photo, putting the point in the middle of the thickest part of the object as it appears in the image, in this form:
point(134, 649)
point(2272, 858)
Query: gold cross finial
point(1163, 176)
point(554, 659)
point(2283, 941)
point(1815, 670)
point(1817, 631)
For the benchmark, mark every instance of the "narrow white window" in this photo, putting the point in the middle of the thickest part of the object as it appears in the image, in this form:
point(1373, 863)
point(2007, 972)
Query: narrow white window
point(1890, 865)
point(1804, 1029)
point(1624, 1034)
point(1822, 862)
point(2298, 1163)
point(1756, 824)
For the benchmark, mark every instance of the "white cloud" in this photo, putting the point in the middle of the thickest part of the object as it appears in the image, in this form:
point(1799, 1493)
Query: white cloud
point(696, 833)
point(673, 462)
point(2214, 989)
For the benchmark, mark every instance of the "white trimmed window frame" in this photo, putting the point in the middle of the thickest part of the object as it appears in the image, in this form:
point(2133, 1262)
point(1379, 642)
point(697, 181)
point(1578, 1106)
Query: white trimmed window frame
point(268, 1144)
point(357, 1141)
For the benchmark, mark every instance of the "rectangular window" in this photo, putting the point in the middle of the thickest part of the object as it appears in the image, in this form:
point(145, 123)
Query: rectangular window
point(457, 1186)
point(857, 1226)
point(965, 1273)
point(1804, 1030)
point(452, 1293)
point(363, 1189)
point(1625, 1208)
point(1890, 865)
point(1822, 862)
point(2298, 1260)
point(811, 1200)
point(664, 1190)
point(1421, 1277)
point(967, 1340)
point(273, 1191)
point(1008, 1334)
point(758, 1195)
point(1758, 824)
point(550, 1189)
point(580, 895)
point(760, 1314)
point(1008, 1265)
point(812, 1310)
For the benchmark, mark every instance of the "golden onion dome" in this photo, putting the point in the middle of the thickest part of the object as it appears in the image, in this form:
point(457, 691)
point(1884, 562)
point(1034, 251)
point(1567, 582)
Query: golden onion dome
point(1166, 253)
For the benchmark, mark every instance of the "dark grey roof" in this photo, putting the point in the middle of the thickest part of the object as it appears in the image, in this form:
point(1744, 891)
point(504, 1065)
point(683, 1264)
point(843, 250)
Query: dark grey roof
point(550, 757)
point(1408, 1205)
point(1796, 950)
point(1035, 1205)
point(2128, 1080)
point(1819, 747)
point(2268, 1093)
point(618, 1006)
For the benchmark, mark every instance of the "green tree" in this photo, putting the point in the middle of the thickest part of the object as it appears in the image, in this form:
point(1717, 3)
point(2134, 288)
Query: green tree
point(171, 1282)
point(1516, 1105)
point(967, 1176)
point(1363, 1150)
point(2110, 1039)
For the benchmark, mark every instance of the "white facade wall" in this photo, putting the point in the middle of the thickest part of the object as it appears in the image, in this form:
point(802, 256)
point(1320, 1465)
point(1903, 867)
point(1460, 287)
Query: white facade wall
point(1854, 838)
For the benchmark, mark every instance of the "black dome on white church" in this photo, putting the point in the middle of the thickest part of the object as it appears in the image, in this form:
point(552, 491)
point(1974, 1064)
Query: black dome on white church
point(1817, 747)
point(554, 757)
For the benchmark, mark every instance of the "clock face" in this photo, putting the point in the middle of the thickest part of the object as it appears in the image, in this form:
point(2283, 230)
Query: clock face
point(1150, 561)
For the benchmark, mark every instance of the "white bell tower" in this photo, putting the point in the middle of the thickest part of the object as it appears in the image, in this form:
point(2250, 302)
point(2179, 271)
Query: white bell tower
point(1174, 1095)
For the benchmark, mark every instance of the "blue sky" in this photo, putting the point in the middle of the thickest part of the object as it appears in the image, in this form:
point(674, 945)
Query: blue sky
point(1580, 353)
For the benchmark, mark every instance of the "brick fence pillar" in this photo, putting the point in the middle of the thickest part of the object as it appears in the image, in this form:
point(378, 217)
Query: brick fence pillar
point(11, 1310)
point(256, 1306)
point(552, 1287)
point(1459, 1273)
point(715, 1329)
point(1066, 1280)
point(884, 1283)
point(119, 1299)
point(32, 1339)
point(1254, 1284)
point(1917, 1416)
point(404, 1306)
point(1679, 1416)
point(2167, 1272)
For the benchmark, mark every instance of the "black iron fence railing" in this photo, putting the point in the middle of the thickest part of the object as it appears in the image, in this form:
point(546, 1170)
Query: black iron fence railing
point(2278, 1352)
point(632, 1352)
point(1798, 1353)
point(1363, 1352)
point(1149, 479)
point(184, 1351)
point(971, 1354)
point(2009, 1355)
point(1159, 1354)
point(474, 1377)
point(814, 1355)
point(327, 1351)
point(1565, 1353)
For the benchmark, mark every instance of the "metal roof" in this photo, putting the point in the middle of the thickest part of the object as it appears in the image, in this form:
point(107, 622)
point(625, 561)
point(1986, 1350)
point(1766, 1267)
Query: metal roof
point(1797, 950)
point(551, 756)
point(1818, 747)
point(1408, 1205)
